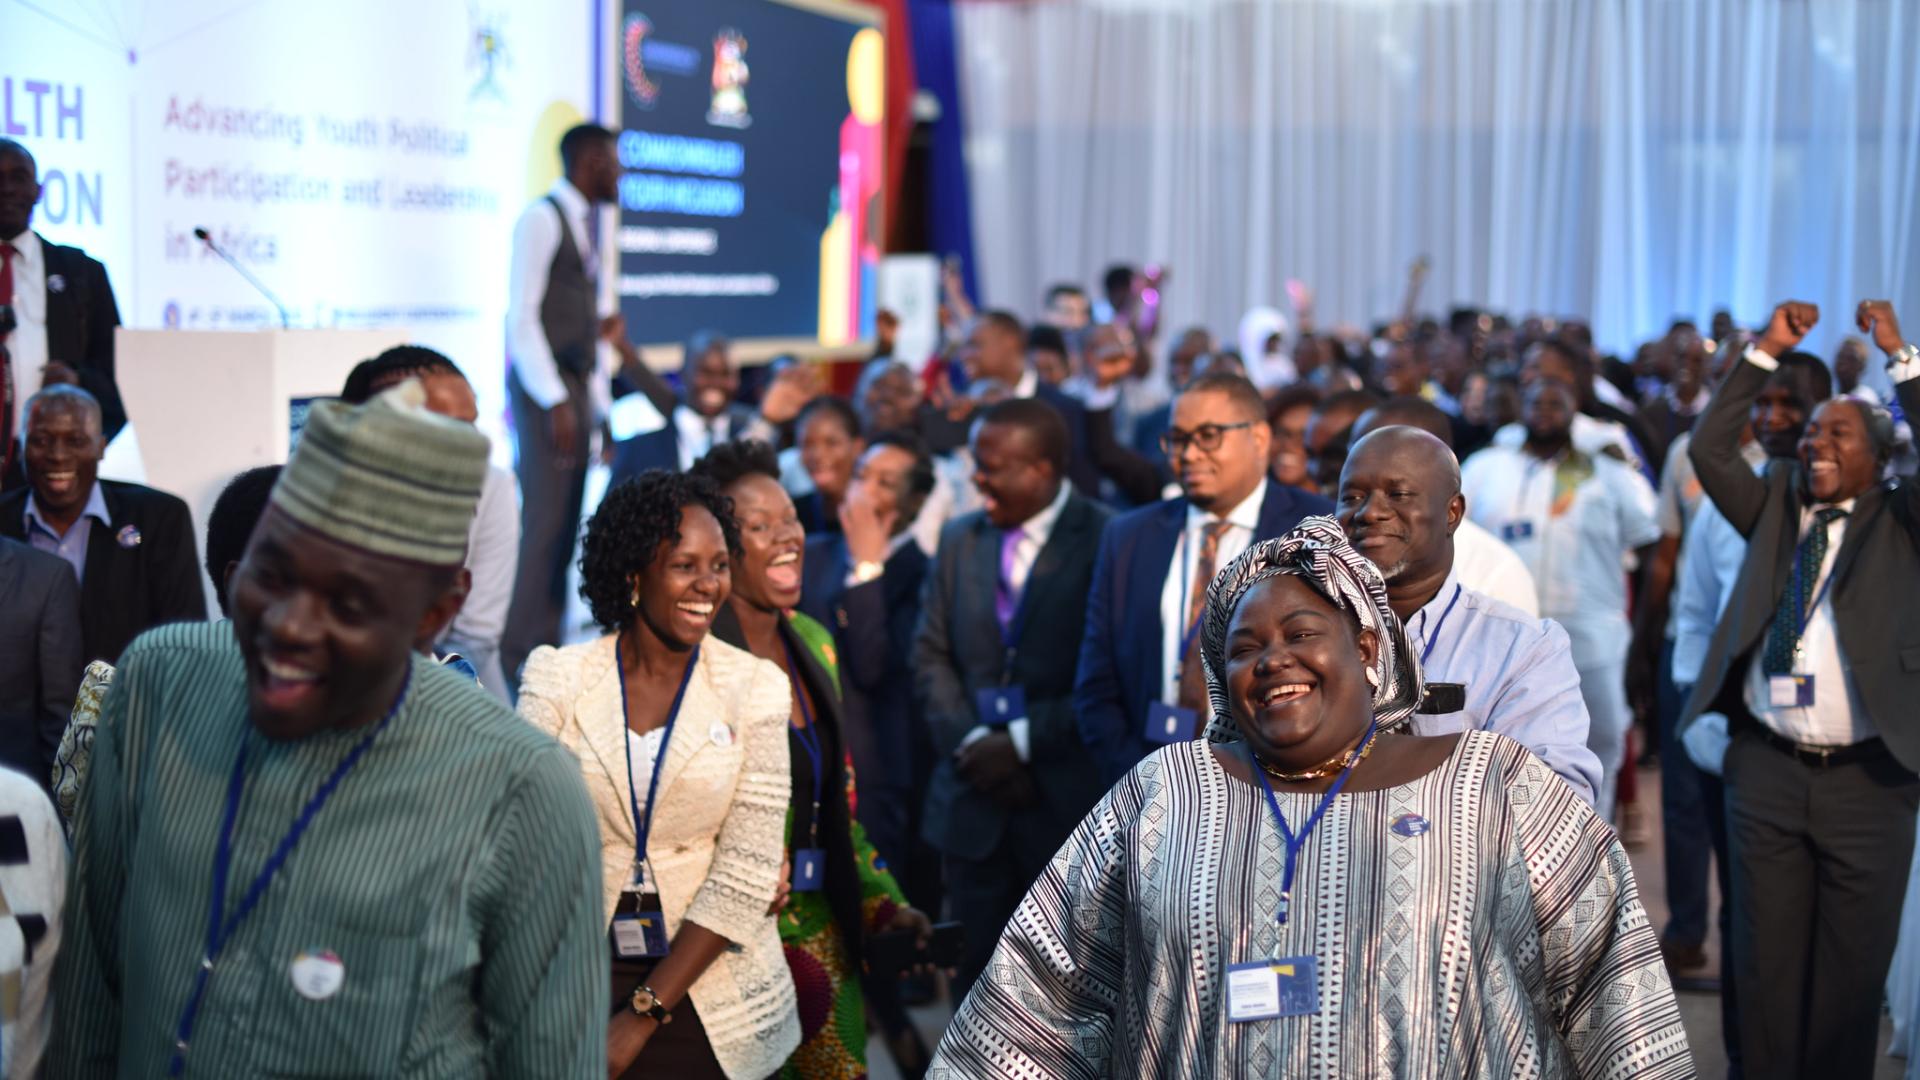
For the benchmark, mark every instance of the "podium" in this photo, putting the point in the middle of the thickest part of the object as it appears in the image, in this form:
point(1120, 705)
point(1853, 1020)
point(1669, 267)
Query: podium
point(205, 405)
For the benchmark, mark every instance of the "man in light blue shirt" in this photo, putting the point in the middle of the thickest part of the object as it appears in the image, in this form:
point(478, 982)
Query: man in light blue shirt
point(63, 537)
point(1488, 666)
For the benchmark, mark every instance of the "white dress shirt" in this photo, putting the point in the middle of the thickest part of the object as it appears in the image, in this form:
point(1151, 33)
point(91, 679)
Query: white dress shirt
point(536, 238)
point(1488, 566)
point(1034, 533)
point(1591, 435)
point(1576, 556)
point(1836, 717)
point(493, 554)
point(699, 434)
point(28, 342)
point(1175, 595)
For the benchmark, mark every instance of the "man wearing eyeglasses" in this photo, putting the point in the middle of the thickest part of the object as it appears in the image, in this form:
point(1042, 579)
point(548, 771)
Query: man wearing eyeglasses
point(1139, 684)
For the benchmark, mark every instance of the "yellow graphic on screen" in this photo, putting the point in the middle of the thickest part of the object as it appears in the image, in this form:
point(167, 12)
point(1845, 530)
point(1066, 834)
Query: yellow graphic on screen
point(849, 247)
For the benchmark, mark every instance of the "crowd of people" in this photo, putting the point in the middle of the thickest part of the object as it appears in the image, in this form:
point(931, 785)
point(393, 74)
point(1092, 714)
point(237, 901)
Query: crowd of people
point(1179, 708)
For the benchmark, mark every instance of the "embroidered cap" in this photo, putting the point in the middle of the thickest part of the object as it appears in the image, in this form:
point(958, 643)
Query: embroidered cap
point(387, 477)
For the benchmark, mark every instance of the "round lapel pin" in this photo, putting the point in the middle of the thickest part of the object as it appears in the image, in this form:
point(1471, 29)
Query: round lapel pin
point(1410, 825)
point(720, 733)
point(318, 974)
point(129, 537)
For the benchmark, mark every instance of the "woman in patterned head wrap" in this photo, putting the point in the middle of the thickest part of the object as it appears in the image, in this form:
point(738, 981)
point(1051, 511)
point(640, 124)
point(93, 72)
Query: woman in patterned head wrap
point(1309, 891)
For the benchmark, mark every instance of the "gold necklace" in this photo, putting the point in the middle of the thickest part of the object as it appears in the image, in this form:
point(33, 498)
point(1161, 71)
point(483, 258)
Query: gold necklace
point(1330, 767)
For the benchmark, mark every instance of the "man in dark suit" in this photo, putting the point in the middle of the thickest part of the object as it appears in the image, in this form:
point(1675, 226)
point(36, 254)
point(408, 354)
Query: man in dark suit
point(40, 661)
point(1139, 683)
point(700, 417)
point(993, 671)
point(64, 309)
point(130, 547)
point(864, 583)
point(996, 349)
point(1816, 664)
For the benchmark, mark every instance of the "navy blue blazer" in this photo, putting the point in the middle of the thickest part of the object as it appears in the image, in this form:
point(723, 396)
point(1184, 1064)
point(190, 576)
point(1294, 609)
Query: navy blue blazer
point(873, 625)
point(1122, 670)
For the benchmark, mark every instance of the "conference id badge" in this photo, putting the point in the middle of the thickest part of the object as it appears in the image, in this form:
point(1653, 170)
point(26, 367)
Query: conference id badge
point(1170, 723)
point(1001, 705)
point(1790, 691)
point(1266, 989)
point(639, 928)
point(809, 869)
point(1516, 530)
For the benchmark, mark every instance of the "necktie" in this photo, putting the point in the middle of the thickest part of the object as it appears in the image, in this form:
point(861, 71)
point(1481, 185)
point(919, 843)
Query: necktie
point(7, 252)
point(1006, 598)
point(1193, 680)
point(1789, 618)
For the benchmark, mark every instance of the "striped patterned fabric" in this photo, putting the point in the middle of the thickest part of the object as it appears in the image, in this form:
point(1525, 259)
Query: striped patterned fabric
point(454, 873)
point(1499, 936)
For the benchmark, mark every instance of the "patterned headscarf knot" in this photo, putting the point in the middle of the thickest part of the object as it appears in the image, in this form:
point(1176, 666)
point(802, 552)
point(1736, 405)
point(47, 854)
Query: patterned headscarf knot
point(1317, 552)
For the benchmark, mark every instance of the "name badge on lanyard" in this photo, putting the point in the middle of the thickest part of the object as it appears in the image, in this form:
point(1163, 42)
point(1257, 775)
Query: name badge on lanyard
point(809, 862)
point(1790, 691)
point(639, 927)
point(1170, 723)
point(1001, 705)
point(1266, 989)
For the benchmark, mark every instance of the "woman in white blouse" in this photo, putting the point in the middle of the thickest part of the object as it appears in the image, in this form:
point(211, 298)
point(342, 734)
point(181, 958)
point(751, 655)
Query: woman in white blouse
point(683, 746)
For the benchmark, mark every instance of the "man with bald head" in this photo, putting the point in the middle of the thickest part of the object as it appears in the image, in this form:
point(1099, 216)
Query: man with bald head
point(131, 547)
point(1486, 565)
point(1489, 666)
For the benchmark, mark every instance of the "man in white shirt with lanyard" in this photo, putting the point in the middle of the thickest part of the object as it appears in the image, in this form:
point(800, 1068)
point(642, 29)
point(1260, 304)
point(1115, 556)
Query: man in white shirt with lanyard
point(1816, 664)
point(1488, 665)
point(1574, 519)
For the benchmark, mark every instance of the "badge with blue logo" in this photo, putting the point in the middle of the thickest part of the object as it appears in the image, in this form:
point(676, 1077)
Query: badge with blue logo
point(1001, 705)
point(1266, 989)
point(1411, 825)
point(129, 537)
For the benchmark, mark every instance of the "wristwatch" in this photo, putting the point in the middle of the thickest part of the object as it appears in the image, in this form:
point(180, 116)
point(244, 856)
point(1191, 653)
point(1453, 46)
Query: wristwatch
point(1901, 364)
point(647, 1003)
point(867, 570)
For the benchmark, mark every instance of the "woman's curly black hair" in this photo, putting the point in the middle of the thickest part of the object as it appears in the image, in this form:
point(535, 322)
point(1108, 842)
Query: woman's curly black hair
point(625, 533)
point(728, 463)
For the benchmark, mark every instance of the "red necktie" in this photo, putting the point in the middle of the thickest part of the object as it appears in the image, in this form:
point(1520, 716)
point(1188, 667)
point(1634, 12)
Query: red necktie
point(7, 253)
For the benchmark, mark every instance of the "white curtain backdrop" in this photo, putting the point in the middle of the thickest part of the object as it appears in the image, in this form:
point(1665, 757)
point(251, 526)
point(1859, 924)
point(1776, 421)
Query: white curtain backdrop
point(1622, 160)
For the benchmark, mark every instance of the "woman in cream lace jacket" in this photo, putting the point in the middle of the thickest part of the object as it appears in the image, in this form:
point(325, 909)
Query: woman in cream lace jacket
point(720, 1001)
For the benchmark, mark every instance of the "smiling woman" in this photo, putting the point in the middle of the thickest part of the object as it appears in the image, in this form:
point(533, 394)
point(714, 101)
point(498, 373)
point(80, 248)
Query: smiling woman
point(1280, 898)
point(680, 741)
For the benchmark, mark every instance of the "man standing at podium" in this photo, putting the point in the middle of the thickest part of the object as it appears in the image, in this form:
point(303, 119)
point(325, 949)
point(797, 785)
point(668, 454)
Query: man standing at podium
point(63, 315)
point(553, 333)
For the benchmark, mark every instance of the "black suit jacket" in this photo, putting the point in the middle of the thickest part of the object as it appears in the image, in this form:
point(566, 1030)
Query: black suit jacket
point(873, 623)
point(957, 651)
point(129, 587)
point(40, 662)
point(1876, 574)
point(81, 316)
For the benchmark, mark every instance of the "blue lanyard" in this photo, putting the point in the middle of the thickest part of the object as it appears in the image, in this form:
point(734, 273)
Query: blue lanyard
point(643, 824)
point(1435, 635)
point(220, 927)
point(809, 737)
point(1295, 843)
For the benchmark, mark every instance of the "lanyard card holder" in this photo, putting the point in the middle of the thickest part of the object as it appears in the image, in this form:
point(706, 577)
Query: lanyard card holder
point(639, 930)
point(1001, 705)
point(1170, 723)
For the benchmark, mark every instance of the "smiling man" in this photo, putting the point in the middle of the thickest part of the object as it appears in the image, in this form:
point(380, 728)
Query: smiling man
point(131, 547)
point(1488, 665)
point(1139, 684)
point(303, 849)
point(1816, 665)
point(1003, 608)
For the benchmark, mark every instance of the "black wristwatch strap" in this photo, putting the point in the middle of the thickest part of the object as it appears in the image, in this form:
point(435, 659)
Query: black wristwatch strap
point(657, 1012)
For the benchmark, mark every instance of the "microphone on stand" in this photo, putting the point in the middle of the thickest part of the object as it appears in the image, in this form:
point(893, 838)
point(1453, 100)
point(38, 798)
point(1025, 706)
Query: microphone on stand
point(201, 234)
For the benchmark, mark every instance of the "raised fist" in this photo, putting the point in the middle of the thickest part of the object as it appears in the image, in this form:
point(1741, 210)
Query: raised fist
point(1876, 317)
point(1790, 324)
